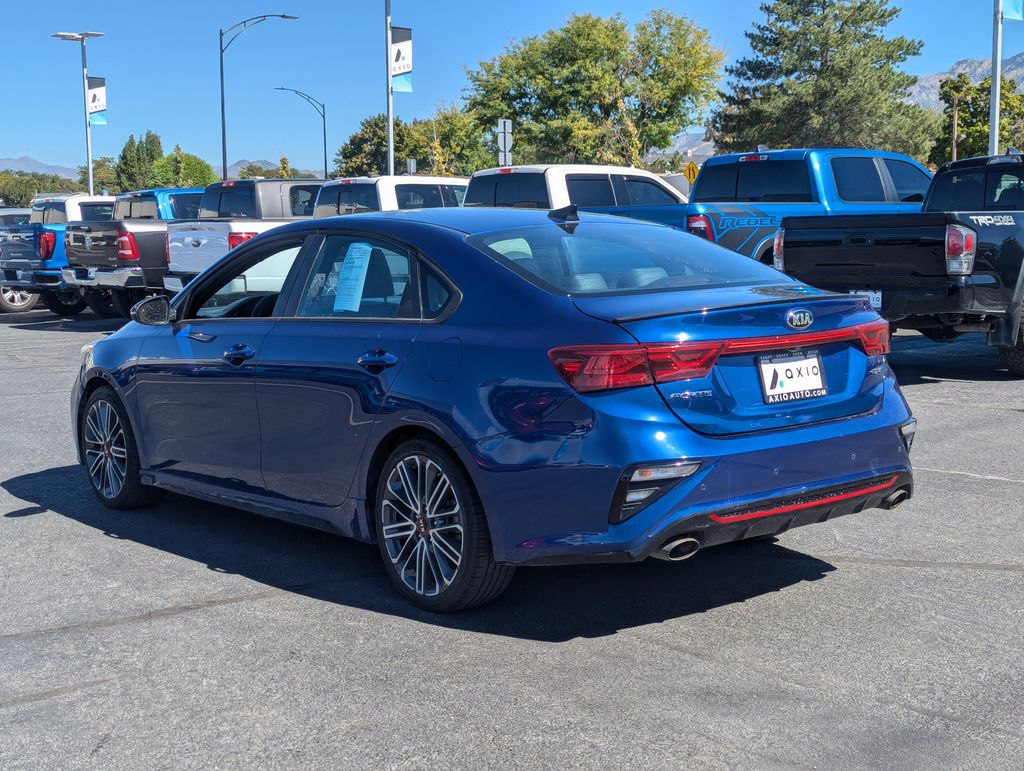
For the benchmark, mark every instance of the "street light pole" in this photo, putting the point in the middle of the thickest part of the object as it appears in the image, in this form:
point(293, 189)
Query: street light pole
point(81, 37)
point(997, 74)
point(321, 108)
point(391, 93)
point(237, 29)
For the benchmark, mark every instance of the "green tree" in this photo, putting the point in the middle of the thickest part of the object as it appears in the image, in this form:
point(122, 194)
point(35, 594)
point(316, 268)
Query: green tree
point(593, 91)
point(127, 171)
point(18, 187)
point(181, 169)
point(150, 151)
point(823, 73)
point(972, 117)
point(104, 175)
point(366, 151)
point(450, 142)
point(253, 170)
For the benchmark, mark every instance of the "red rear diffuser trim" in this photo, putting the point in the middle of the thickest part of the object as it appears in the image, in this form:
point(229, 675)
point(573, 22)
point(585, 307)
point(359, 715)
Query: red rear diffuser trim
point(727, 519)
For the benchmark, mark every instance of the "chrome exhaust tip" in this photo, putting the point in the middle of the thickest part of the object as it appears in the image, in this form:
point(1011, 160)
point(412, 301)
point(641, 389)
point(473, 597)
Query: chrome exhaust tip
point(895, 499)
point(677, 549)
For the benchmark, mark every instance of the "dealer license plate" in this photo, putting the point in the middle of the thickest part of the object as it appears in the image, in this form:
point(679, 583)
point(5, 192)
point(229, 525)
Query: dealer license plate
point(791, 377)
point(873, 296)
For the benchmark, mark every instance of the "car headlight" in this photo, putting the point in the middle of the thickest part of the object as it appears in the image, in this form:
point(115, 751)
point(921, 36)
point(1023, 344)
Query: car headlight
point(87, 354)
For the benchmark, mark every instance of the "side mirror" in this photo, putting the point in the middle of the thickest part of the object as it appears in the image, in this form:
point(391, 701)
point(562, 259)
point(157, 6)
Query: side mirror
point(153, 311)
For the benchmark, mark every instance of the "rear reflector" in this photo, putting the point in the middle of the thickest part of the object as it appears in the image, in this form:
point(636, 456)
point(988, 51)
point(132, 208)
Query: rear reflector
point(590, 368)
point(234, 239)
point(778, 250)
point(127, 249)
point(47, 242)
point(801, 505)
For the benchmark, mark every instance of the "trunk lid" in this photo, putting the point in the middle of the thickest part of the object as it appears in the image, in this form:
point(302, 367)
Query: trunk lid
point(92, 244)
point(767, 376)
point(194, 246)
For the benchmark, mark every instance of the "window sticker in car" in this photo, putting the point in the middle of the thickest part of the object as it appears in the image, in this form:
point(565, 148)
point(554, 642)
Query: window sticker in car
point(352, 277)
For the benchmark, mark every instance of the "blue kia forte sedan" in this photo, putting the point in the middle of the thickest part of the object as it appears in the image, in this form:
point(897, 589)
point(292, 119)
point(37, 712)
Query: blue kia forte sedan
point(476, 389)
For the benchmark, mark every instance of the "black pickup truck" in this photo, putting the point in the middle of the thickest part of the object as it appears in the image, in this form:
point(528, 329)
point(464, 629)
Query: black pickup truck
point(955, 267)
point(125, 258)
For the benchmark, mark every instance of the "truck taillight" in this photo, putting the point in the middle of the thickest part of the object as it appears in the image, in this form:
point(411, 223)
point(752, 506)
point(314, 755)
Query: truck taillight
point(777, 251)
point(700, 225)
point(127, 249)
point(234, 239)
point(961, 244)
point(47, 242)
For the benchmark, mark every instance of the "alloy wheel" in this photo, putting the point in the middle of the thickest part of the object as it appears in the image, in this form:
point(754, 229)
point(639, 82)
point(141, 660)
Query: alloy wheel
point(422, 525)
point(106, 449)
point(16, 297)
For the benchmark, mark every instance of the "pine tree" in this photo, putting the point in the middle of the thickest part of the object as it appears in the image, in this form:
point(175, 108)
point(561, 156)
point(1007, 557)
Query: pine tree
point(823, 73)
point(126, 171)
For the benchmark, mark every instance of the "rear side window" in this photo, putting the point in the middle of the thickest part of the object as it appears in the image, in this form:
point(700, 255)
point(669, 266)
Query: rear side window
point(960, 190)
point(644, 192)
point(184, 206)
point(590, 190)
point(419, 196)
point(857, 180)
point(301, 199)
point(234, 201)
point(619, 258)
point(755, 181)
point(907, 179)
point(436, 294)
point(523, 190)
point(136, 207)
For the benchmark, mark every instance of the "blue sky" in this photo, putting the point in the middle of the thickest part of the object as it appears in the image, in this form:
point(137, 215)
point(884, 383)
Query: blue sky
point(160, 61)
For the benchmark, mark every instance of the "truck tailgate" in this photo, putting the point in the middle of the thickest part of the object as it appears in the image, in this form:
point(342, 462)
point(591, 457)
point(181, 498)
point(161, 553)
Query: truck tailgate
point(19, 242)
point(194, 246)
point(92, 244)
point(865, 250)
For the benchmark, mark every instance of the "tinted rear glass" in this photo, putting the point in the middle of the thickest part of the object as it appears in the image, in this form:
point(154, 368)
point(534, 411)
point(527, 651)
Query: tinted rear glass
point(907, 179)
point(619, 258)
point(419, 196)
point(590, 190)
point(960, 190)
point(301, 199)
point(234, 201)
point(1003, 191)
point(857, 180)
point(184, 206)
point(644, 192)
point(524, 190)
point(49, 212)
point(92, 212)
point(768, 181)
point(136, 207)
point(346, 199)
point(14, 219)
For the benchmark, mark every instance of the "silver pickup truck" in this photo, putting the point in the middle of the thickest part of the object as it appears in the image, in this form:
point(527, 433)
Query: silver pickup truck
point(232, 212)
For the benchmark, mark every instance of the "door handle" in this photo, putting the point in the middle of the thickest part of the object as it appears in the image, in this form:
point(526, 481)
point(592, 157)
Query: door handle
point(238, 354)
point(377, 359)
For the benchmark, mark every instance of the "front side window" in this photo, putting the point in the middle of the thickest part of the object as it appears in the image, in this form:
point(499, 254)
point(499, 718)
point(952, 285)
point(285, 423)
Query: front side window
point(619, 258)
point(418, 196)
point(252, 291)
point(857, 180)
point(359, 277)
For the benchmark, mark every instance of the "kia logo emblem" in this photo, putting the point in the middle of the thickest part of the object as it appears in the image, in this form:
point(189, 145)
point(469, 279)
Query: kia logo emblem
point(800, 318)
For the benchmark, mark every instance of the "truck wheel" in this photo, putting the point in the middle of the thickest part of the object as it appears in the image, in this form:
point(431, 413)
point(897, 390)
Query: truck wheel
point(100, 302)
point(66, 303)
point(14, 300)
point(124, 299)
point(1013, 356)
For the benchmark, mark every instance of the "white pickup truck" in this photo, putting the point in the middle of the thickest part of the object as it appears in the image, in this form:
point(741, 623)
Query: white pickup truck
point(351, 195)
point(232, 212)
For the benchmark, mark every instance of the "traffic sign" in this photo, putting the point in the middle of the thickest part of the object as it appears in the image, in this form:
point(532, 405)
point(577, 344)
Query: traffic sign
point(690, 172)
point(504, 138)
point(504, 158)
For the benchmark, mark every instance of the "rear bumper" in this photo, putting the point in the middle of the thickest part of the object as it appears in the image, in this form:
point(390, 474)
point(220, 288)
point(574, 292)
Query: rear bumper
point(175, 282)
point(113, 278)
point(21, 274)
point(957, 295)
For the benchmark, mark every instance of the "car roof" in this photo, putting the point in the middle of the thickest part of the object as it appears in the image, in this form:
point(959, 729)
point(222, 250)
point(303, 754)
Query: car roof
point(569, 168)
point(469, 219)
point(158, 190)
point(1014, 159)
point(398, 179)
point(800, 153)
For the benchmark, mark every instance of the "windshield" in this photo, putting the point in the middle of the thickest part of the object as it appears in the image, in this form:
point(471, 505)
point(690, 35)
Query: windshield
point(620, 258)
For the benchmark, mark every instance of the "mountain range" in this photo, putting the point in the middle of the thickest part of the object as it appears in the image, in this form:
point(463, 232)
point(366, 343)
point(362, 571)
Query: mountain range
point(926, 92)
point(31, 165)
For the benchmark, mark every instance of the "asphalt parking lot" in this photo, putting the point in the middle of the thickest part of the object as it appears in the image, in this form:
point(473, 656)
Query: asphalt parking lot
point(193, 635)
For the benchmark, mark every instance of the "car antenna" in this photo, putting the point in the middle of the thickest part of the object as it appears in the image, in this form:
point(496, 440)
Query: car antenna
point(567, 217)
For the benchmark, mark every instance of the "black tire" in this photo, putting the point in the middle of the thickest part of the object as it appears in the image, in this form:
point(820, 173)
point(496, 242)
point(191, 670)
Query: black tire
point(100, 302)
point(14, 300)
point(125, 299)
point(66, 303)
point(476, 578)
point(95, 424)
point(1013, 356)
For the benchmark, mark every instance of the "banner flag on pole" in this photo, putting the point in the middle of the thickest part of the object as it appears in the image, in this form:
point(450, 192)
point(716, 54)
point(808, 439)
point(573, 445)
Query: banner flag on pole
point(97, 94)
point(1013, 10)
point(98, 118)
point(401, 59)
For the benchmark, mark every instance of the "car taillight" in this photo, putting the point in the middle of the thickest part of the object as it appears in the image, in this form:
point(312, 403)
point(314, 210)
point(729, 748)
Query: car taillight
point(777, 251)
point(961, 244)
point(47, 242)
point(127, 249)
point(590, 368)
point(700, 225)
point(234, 239)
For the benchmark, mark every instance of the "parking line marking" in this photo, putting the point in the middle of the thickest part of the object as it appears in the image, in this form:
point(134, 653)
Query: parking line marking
point(988, 477)
point(30, 698)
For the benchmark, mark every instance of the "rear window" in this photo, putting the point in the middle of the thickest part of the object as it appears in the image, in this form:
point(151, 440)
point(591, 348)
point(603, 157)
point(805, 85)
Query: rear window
point(908, 180)
point(136, 207)
point(184, 206)
point(1003, 191)
point(20, 218)
point(767, 181)
point(224, 201)
point(960, 190)
point(522, 190)
point(590, 190)
point(346, 199)
point(619, 258)
point(49, 213)
point(857, 180)
point(91, 212)
point(419, 196)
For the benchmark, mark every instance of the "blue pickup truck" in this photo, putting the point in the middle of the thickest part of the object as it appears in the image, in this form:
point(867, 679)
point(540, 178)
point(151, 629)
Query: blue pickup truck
point(32, 255)
point(739, 200)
